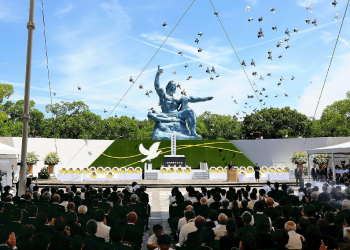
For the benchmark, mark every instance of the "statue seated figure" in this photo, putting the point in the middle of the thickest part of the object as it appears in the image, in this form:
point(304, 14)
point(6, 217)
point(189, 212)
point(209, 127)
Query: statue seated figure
point(175, 112)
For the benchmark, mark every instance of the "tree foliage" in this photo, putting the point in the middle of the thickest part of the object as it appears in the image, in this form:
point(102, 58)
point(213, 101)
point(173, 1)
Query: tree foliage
point(276, 123)
point(335, 120)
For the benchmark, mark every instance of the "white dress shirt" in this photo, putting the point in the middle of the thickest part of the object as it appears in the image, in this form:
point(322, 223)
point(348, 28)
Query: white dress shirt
point(102, 231)
point(210, 201)
point(294, 241)
point(153, 240)
point(219, 231)
point(185, 230)
point(251, 204)
point(64, 204)
point(181, 223)
point(267, 189)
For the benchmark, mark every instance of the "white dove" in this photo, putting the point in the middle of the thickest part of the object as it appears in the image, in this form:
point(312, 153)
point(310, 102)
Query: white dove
point(151, 153)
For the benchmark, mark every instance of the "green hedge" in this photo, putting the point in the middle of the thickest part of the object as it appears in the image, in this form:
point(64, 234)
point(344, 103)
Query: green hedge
point(194, 154)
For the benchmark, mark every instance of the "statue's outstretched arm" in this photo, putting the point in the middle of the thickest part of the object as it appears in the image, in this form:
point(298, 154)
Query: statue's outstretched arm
point(199, 99)
point(157, 87)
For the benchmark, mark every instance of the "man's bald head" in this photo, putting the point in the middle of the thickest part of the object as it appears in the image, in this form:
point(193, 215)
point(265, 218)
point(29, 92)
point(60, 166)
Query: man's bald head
point(189, 207)
point(131, 217)
point(71, 206)
point(269, 202)
point(199, 222)
point(203, 201)
point(56, 198)
point(290, 226)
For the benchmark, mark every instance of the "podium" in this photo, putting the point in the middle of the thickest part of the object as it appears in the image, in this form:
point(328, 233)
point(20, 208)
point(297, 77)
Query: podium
point(232, 175)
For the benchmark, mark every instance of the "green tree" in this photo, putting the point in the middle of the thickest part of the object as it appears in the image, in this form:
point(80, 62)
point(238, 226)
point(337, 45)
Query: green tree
point(213, 126)
point(146, 130)
point(276, 123)
point(334, 121)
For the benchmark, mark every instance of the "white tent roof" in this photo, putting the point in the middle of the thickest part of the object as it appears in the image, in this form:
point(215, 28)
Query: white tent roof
point(7, 150)
point(343, 148)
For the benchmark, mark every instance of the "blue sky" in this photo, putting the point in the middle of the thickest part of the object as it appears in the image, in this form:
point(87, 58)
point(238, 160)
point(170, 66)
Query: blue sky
point(98, 45)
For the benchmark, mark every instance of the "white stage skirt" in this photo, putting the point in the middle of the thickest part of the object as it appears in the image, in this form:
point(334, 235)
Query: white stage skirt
point(175, 176)
point(341, 171)
point(217, 176)
point(100, 177)
point(280, 177)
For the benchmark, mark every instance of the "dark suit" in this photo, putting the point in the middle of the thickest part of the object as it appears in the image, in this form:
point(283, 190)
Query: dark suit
point(228, 212)
point(193, 240)
point(323, 197)
point(59, 241)
point(119, 212)
point(92, 242)
point(264, 241)
point(226, 244)
point(339, 218)
point(83, 219)
point(314, 173)
point(243, 209)
point(272, 212)
point(293, 200)
point(138, 208)
point(15, 227)
point(298, 175)
point(332, 205)
point(120, 246)
point(133, 233)
point(201, 210)
point(246, 229)
point(45, 228)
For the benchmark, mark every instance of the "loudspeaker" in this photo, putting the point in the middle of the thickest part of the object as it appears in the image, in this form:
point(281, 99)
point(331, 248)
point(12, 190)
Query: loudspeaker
point(301, 183)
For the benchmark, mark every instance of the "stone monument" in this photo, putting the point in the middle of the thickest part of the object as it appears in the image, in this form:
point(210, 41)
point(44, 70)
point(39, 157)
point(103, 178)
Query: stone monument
point(175, 113)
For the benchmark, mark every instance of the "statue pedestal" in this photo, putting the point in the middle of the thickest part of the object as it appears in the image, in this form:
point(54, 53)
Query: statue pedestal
point(164, 131)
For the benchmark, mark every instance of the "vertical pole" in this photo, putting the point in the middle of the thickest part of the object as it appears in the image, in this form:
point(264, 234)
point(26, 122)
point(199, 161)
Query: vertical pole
point(308, 166)
point(333, 168)
point(26, 117)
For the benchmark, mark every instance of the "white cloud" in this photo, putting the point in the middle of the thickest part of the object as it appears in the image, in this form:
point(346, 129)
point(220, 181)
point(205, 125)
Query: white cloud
point(116, 11)
point(335, 89)
point(63, 11)
point(326, 36)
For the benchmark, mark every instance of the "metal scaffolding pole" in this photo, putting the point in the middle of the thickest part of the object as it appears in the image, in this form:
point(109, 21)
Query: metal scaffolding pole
point(26, 117)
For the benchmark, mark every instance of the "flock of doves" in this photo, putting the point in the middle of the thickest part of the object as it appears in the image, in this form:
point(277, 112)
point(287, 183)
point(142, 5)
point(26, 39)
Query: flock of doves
point(243, 63)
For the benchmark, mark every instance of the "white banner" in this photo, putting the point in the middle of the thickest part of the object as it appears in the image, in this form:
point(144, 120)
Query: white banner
point(173, 144)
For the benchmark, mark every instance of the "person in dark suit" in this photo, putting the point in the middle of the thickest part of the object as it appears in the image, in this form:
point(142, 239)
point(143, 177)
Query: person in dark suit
point(281, 239)
point(257, 172)
point(298, 175)
point(263, 237)
point(270, 211)
point(193, 238)
point(247, 228)
point(91, 241)
point(133, 233)
point(229, 241)
point(42, 226)
point(225, 203)
point(230, 166)
point(314, 173)
point(333, 204)
point(25, 242)
point(83, 218)
point(137, 207)
point(16, 225)
point(144, 199)
point(203, 209)
point(244, 208)
point(314, 202)
point(292, 199)
point(7, 239)
point(6, 193)
point(60, 239)
point(115, 239)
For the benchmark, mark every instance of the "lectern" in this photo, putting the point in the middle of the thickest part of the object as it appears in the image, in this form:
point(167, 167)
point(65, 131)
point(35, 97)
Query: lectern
point(232, 175)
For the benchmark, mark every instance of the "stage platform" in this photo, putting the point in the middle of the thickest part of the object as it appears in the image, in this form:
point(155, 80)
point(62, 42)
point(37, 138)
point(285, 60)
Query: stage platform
point(162, 183)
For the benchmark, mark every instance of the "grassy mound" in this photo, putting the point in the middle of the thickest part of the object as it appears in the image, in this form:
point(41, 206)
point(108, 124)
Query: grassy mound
point(216, 153)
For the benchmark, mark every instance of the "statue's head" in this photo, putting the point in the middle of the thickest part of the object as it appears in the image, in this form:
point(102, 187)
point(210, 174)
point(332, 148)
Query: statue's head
point(170, 88)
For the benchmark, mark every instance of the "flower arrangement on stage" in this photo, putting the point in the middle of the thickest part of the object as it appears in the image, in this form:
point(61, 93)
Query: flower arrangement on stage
point(70, 171)
point(179, 170)
point(122, 170)
point(44, 173)
point(286, 169)
point(212, 170)
point(92, 169)
point(235, 167)
point(298, 158)
point(250, 169)
point(264, 169)
point(171, 170)
point(163, 170)
point(115, 170)
point(272, 169)
point(187, 170)
point(321, 159)
point(85, 170)
point(138, 170)
point(260, 175)
point(243, 169)
point(51, 158)
point(63, 171)
point(77, 171)
point(32, 158)
point(107, 169)
point(93, 174)
point(110, 174)
point(100, 170)
point(243, 173)
point(220, 170)
point(130, 170)
point(279, 169)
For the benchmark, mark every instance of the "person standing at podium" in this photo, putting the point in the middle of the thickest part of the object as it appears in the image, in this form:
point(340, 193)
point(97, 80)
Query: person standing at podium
point(230, 166)
point(257, 172)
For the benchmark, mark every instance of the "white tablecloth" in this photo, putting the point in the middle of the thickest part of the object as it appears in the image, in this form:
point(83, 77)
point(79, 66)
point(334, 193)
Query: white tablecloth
point(176, 176)
point(341, 171)
point(70, 177)
point(280, 177)
point(216, 176)
point(320, 185)
point(251, 177)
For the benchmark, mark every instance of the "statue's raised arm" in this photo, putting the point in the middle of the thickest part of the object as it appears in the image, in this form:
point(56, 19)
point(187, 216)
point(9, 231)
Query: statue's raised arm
point(199, 99)
point(159, 90)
